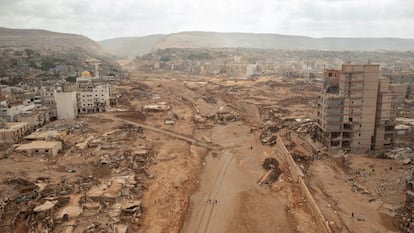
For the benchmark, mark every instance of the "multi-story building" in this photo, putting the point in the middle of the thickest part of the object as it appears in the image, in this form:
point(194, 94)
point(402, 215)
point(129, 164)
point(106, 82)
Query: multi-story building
point(95, 100)
point(90, 96)
point(356, 109)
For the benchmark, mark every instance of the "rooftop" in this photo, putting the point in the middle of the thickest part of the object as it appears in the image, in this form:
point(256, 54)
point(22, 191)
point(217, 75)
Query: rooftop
point(12, 126)
point(39, 145)
point(42, 135)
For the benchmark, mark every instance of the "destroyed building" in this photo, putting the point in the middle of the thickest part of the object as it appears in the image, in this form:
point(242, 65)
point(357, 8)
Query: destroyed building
point(50, 148)
point(357, 109)
point(12, 132)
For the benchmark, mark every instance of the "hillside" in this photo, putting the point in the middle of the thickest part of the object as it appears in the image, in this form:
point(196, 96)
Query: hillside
point(41, 39)
point(133, 46)
point(27, 54)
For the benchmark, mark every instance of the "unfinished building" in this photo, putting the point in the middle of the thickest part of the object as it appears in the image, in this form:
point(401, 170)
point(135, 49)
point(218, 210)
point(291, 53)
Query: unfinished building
point(356, 110)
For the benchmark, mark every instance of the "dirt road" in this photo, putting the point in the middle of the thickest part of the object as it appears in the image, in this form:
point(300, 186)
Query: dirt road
point(229, 184)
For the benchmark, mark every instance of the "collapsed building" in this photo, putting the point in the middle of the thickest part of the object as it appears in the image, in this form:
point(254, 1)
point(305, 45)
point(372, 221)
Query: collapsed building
point(357, 109)
point(50, 148)
point(11, 132)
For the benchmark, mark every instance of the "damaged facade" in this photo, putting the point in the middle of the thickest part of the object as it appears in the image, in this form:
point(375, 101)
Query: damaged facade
point(357, 109)
point(12, 132)
point(50, 148)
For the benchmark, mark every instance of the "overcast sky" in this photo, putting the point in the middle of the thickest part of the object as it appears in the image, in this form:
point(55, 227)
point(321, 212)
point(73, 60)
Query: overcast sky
point(103, 19)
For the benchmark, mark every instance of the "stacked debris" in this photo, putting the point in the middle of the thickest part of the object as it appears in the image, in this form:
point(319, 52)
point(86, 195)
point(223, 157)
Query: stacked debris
point(268, 135)
point(131, 129)
point(407, 212)
point(226, 114)
point(300, 159)
point(269, 113)
point(69, 127)
point(405, 154)
point(171, 118)
point(304, 127)
point(271, 165)
point(159, 107)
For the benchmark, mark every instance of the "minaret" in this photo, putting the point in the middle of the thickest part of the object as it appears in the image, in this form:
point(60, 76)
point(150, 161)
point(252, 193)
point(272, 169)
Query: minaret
point(97, 70)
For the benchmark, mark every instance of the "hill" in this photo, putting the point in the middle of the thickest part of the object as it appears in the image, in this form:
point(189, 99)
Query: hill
point(28, 54)
point(133, 46)
point(42, 39)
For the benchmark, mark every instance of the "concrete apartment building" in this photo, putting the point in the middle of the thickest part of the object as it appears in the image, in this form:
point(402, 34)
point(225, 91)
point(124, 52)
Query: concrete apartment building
point(90, 96)
point(356, 109)
point(95, 100)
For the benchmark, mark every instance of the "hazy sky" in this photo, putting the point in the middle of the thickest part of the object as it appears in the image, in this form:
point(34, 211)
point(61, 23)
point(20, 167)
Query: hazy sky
point(102, 19)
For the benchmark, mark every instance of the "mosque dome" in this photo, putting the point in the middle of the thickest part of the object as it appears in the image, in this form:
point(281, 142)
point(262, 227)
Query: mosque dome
point(85, 74)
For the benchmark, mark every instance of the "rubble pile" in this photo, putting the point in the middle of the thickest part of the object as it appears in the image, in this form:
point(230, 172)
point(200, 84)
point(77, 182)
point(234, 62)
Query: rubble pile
point(171, 118)
point(304, 162)
point(270, 113)
point(271, 165)
point(100, 193)
point(406, 213)
point(304, 127)
point(159, 107)
point(405, 155)
point(226, 114)
point(70, 127)
point(268, 135)
point(117, 201)
point(131, 129)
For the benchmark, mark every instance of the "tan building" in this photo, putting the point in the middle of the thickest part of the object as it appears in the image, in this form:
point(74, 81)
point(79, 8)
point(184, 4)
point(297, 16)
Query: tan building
point(50, 148)
point(46, 135)
point(13, 132)
point(359, 113)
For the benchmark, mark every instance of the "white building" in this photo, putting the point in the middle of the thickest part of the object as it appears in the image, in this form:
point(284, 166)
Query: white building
point(10, 113)
point(96, 100)
point(66, 105)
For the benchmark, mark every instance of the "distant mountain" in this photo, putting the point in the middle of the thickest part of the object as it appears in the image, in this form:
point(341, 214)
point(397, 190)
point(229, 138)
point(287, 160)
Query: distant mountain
point(133, 46)
point(41, 39)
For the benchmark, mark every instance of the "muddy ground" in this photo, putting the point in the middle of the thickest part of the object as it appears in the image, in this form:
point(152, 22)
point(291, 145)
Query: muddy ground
point(195, 166)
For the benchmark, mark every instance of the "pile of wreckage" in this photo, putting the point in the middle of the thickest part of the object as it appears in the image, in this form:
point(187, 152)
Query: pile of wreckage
point(406, 213)
point(80, 202)
point(159, 107)
point(74, 205)
point(226, 114)
point(268, 135)
point(405, 154)
point(271, 165)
